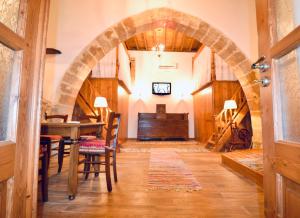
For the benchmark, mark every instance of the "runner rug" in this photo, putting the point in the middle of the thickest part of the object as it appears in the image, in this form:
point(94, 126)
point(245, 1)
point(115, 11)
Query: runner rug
point(167, 171)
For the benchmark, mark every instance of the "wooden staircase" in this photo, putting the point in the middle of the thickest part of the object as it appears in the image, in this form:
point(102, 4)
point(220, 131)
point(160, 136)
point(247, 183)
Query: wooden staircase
point(86, 97)
point(222, 131)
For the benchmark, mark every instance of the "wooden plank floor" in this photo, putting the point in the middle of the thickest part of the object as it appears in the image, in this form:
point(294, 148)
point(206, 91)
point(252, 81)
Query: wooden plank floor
point(246, 162)
point(224, 194)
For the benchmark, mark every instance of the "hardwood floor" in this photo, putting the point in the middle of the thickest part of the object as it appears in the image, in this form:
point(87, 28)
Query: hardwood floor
point(224, 193)
point(247, 162)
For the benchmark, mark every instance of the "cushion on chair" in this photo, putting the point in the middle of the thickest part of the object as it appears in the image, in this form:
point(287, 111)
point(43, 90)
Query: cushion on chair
point(88, 137)
point(92, 146)
point(51, 137)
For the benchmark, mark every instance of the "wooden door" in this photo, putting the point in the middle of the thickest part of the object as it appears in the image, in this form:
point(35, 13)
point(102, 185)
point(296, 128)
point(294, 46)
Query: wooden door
point(279, 38)
point(22, 40)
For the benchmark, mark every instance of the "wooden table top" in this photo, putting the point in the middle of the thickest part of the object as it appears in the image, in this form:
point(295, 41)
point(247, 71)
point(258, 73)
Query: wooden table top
point(71, 124)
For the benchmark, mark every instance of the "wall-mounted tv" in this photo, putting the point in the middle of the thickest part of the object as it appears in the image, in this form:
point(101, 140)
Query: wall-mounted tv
point(161, 88)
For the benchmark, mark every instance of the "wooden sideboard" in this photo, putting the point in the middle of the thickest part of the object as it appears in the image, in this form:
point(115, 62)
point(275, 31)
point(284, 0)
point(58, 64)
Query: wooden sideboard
point(163, 126)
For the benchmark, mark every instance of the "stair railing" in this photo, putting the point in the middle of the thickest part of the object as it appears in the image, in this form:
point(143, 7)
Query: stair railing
point(223, 119)
point(88, 94)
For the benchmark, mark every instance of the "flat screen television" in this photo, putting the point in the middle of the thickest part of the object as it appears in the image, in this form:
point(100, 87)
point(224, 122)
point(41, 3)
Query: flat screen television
point(161, 88)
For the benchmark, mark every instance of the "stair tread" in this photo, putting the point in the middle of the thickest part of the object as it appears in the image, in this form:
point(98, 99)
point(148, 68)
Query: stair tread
point(211, 142)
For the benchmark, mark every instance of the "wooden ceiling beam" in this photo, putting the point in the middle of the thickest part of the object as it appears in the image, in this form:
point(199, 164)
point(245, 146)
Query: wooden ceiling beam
point(136, 43)
point(145, 40)
point(154, 37)
point(182, 43)
point(191, 45)
point(174, 40)
point(165, 39)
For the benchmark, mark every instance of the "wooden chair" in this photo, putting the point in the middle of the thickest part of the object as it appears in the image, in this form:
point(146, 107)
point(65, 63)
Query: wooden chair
point(97, 118)
point(240, 139)
point(56, 116)
point(43, 170)
point(57, 139)
point(95, 150)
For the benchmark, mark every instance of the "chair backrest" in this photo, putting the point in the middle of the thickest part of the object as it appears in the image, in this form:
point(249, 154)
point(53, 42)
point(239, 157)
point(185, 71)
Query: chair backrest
point(113, 130)
point(93, 117)
point(56, 116)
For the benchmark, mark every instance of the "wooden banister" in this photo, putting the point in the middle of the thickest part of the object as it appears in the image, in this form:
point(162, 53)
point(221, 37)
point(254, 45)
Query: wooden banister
point(223, 120)
point(86, 98)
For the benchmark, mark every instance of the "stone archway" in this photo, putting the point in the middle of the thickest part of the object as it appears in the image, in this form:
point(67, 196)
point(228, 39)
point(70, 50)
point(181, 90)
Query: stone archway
point(153, 18)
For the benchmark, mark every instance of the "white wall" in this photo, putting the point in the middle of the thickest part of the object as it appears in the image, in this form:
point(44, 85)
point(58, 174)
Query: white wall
point(223, 71)
point(124, 66)
point(75, 23)
point(147, 71)
point(202, 69)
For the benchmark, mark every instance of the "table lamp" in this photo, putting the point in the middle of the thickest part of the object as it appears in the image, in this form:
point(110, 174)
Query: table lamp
point(230, 105)
point(100, 102)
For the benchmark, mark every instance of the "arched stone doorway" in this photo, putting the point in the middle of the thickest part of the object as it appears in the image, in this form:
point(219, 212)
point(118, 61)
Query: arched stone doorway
point(147, 20)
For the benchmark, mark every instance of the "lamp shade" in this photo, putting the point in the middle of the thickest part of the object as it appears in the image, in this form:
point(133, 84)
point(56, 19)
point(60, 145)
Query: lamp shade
point(230, 104)
point(100, 102)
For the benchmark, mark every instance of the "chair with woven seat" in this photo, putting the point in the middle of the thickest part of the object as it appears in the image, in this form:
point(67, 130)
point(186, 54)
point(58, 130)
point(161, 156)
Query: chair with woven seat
point(95, 150)
point(57, 139)
point(97, 118)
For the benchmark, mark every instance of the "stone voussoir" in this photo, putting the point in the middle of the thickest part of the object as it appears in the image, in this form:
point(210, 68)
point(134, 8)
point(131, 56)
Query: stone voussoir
point(228, 50)
point(104, 43)
point(72, 79)
point(96, 50)
point(88, 59)
point(236, 58)
point(77, 68)
point(221, 43)
point(67, 99)
point(211, 37)
point(68, 89)
point(201, 31)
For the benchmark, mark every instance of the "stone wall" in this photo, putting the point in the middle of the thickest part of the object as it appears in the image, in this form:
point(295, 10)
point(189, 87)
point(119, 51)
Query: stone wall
point(147, 20)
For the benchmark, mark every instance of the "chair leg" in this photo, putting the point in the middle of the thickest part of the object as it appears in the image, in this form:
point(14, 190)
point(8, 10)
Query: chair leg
point(115, 166)
point(60, 156)
point(48, 145)
point(95, 158)
point(107, 169)
point(45, 177)
point(87, 166)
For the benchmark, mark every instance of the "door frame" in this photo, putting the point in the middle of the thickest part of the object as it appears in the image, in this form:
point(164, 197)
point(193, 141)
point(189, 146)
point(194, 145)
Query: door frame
point(22, 188)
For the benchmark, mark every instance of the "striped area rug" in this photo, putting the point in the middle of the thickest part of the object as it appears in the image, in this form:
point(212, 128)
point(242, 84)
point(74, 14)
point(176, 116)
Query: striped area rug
point(167, 171)
point(178, 150)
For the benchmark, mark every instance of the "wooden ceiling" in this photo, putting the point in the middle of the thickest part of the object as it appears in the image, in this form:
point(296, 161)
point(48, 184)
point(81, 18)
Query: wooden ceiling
point(173, 40)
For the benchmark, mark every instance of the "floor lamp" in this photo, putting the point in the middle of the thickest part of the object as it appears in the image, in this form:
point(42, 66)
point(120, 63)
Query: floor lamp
point(100, 102)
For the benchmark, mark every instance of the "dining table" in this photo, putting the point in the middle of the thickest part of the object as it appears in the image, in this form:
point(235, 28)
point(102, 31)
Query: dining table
point(73, 130)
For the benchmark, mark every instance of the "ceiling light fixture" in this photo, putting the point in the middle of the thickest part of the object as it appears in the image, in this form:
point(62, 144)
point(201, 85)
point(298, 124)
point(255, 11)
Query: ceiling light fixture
point(159, 49)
